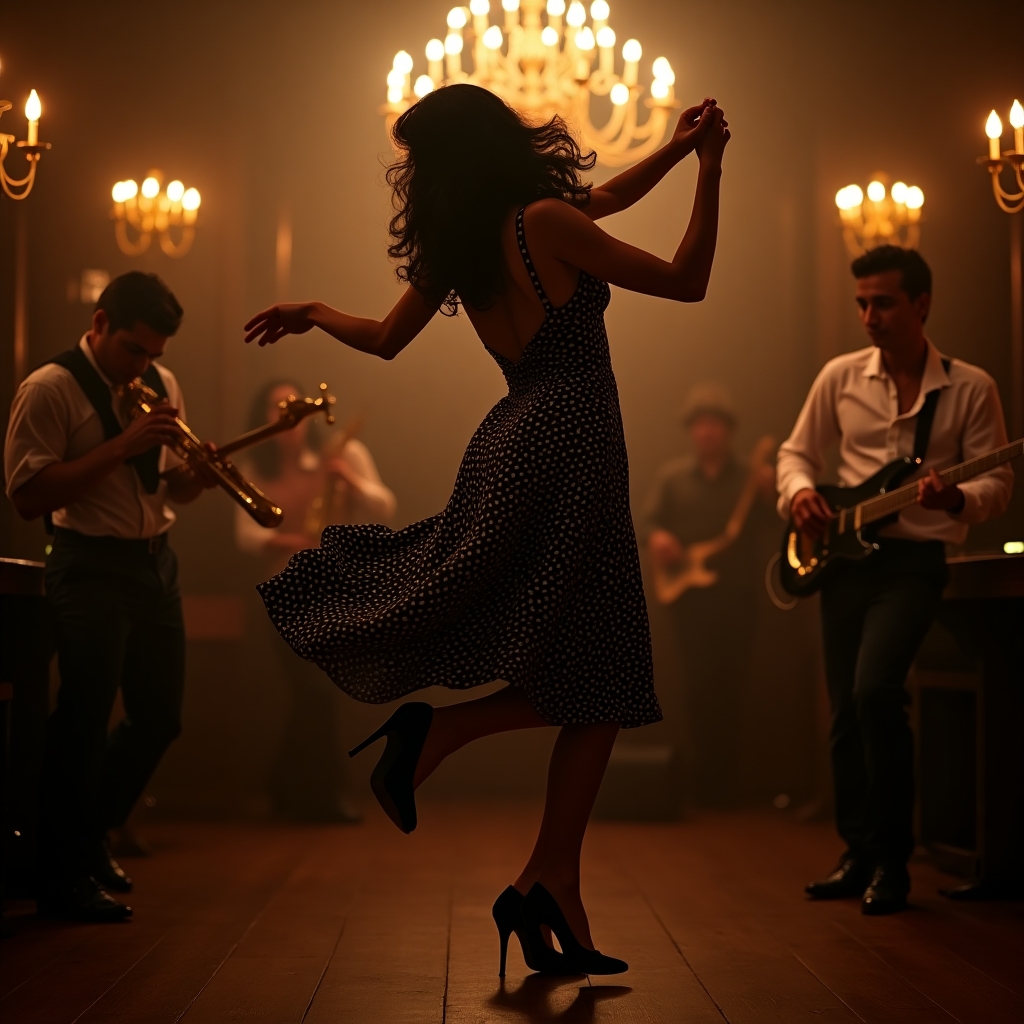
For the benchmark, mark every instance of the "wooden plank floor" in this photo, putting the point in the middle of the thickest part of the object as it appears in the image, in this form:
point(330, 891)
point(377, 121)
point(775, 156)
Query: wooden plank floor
point(361, 924)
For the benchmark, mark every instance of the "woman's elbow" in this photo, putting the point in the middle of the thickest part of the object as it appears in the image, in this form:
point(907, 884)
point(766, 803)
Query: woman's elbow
point(690, 293)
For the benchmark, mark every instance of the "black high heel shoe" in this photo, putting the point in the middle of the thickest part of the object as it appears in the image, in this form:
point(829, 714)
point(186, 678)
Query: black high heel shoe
point(539, 956)
point(539, 907)
point(392, 778)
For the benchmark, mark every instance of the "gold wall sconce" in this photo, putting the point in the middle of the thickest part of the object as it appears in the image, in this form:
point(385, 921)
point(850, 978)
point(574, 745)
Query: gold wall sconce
point(152, 209)
point(998, 158)
point(544, 59)
point(31, 146)
point(884, 216)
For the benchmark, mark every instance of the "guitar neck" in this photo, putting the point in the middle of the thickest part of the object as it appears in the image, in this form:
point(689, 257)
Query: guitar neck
point(255, 436)
point(903, 497)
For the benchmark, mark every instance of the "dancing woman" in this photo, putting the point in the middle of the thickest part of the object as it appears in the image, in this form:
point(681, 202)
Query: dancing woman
point(530, 574)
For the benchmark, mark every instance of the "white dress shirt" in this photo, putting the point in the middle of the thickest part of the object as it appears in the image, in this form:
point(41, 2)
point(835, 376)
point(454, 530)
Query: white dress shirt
point(52, 420)
point(854, 401)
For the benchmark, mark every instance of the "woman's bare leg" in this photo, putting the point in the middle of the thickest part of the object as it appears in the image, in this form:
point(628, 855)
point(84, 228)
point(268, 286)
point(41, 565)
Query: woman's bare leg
point(455, 725)
point(577, 767)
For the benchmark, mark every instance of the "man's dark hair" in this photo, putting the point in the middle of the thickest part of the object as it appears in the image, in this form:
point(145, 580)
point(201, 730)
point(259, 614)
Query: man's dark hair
point(139, 296)
point(916, 275)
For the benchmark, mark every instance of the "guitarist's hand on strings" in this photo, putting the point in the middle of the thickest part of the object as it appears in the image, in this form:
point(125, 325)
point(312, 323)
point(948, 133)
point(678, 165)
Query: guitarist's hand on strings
point(811, 512)
point(664, 548)
point(933, 494)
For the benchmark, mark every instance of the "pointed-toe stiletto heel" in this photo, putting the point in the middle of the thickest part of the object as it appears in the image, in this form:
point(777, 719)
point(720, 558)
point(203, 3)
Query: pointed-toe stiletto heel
point(539, 956)
point(540, 908)
point(392, 778)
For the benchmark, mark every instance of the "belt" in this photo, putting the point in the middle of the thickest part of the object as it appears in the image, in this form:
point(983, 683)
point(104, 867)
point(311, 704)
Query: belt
point(127, 545)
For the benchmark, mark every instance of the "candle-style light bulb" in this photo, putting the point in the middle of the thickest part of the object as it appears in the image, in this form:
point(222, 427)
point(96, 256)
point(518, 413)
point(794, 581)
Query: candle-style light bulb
point(1017, 123)
point(994, 131)
point(33, 111)
point(150, 188)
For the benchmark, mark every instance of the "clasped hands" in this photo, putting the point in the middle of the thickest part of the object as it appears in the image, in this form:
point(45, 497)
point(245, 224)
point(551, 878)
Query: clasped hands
point(812, 514)
point(702, 128)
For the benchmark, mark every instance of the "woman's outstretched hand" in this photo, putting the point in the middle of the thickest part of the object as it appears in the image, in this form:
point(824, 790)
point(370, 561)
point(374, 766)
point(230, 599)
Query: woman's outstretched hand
point(693, 125)
point(712, 141)
point(274, 323)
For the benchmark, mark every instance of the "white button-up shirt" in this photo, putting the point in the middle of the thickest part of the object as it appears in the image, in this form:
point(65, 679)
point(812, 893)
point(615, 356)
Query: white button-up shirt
point(53, 421)
point(854, 402)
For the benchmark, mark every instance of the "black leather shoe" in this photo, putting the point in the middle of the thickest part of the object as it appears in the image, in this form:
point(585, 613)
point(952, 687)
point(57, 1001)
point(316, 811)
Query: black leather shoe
point(888, 891)
point(850, 878)
point(107, 872)
point(81, 900)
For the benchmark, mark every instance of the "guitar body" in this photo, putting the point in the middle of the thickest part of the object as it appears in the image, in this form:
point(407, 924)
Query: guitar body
point(805, 562)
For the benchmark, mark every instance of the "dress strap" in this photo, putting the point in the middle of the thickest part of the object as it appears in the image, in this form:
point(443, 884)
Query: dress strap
point(530, 268)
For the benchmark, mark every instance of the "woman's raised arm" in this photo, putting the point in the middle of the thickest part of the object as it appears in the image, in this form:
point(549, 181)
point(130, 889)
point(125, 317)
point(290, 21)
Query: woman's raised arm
point(633, 184)
point(384, 338)
point(571, 236)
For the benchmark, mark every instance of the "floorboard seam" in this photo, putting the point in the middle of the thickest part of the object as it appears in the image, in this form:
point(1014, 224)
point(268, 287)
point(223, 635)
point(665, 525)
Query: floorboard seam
point(330, 958)
point(447, 957)
point(898, 974)
point(828, 988)
point(120, 978)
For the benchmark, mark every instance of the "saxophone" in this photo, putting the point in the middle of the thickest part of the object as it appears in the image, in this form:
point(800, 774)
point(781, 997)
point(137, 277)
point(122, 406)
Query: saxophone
point(138, 400)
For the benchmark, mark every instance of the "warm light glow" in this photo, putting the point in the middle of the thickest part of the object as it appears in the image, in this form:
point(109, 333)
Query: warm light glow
point(584, 39)
point(402, 62)
point(577, 14)
point(191, 199)
point(395, 94)
point(492, 38)
point(599, 10)
point(479, 7)
point(424, 84)
point(1016, 115)
point(396, 79)
point(619, 94)
point(510, 5)
point(876, 191)
point(915, 198)
point(435, 50)
point(175, 190)
point(659, 89)
point(898, 192)
point(556, 8)
point(33, 108)
point(849, 198)
point(130, 189)
point(150, 188)
point(120, 191)
point(549, 37)
point(663, 70)
point(606, 38)
point(993, 126)
point(453, 43)
point(632, 51)
point(1014, 547)
point(456, 18)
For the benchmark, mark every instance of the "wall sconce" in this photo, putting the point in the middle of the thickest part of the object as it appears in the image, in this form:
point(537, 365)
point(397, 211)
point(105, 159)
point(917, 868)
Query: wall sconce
point(890, 216)
point(1009, 202)
point(31, 146)
point(153, 209)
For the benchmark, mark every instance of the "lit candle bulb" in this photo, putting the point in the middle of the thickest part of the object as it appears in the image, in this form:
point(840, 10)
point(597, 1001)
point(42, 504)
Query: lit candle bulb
point(555, 8)
point(511, 9)
point(33, 111)
point(994, 131)
point(632, 51)
point(606, 46)
point(435, 56)
point(1017, 121)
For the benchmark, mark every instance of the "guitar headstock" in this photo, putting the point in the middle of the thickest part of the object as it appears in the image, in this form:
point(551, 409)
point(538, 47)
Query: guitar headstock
point(293, 409)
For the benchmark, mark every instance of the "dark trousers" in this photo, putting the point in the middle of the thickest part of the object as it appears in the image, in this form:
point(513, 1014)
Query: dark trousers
point(875, 614)
point(116, 613)
point(714, 630)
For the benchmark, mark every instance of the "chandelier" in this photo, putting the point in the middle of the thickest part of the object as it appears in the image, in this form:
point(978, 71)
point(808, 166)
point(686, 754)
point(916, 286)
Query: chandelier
point(151, 210)
point(890, 216)
point(545, 60)
point(32, 147)
point(1009, 202)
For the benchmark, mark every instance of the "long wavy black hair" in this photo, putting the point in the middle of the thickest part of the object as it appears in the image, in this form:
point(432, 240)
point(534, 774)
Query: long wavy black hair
point(466, 159)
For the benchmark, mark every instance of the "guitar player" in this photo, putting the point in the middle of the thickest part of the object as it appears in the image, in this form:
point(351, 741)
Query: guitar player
point(876, 404)
point(692, 500)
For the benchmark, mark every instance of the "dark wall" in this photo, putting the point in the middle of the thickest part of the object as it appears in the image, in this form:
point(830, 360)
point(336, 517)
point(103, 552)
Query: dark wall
point(271, 110)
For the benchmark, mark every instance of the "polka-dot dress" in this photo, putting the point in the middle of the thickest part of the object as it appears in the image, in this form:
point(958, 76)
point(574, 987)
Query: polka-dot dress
point(529, 575)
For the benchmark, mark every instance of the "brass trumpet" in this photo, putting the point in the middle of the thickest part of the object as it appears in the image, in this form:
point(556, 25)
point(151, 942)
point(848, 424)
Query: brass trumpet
point(138, 400)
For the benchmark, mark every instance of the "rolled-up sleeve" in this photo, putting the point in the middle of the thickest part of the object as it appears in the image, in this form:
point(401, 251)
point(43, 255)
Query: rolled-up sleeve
point(37, 433)
point(987, 495)
point(801, 456)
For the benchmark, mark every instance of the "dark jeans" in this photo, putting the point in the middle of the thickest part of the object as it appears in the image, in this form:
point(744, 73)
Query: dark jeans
point(875, 614)
point(116, 613)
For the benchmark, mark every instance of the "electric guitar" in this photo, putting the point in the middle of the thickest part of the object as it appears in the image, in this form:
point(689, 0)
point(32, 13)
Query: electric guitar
point(861, 511)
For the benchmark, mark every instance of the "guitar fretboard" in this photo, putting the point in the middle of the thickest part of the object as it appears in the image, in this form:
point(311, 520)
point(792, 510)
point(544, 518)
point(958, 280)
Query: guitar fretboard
point(873, 509)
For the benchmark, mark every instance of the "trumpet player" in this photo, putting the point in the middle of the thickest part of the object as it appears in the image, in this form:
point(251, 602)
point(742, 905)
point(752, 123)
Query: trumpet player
point(102, 481)
point(337, 484)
